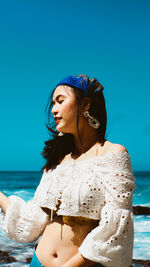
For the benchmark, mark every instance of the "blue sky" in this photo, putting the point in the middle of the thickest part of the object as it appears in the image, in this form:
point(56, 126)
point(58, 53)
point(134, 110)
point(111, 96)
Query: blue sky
point(43, 41)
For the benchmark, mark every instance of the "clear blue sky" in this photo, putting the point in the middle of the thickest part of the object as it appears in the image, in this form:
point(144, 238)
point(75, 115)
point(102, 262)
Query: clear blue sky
point(44, 41)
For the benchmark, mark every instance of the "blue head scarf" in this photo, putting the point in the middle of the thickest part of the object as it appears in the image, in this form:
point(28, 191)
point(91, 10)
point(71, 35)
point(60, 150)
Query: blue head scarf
point(82, 82)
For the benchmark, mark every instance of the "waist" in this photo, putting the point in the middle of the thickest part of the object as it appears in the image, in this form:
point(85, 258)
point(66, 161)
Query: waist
point(62, 237)
point(77, 219)
point(67, 218)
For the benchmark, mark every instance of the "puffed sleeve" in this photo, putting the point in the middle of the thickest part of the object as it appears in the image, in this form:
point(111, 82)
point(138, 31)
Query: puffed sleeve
point(111, 242)
point(24, 221)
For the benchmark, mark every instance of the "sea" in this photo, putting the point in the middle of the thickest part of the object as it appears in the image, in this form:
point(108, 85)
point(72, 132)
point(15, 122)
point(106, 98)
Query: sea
point(23, 184)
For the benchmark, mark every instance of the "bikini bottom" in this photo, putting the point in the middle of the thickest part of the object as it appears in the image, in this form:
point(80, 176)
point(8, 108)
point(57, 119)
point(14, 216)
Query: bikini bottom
point(36, 263)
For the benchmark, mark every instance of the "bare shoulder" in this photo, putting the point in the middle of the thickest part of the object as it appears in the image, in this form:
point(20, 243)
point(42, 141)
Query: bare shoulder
point(112, 147)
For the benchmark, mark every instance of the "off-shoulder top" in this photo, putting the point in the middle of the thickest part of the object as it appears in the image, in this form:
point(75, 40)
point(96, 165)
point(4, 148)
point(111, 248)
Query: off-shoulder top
point(98, 188)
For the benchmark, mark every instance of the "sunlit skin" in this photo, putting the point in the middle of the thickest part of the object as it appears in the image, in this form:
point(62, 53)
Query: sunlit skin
point(65, 110)
point(58, 246)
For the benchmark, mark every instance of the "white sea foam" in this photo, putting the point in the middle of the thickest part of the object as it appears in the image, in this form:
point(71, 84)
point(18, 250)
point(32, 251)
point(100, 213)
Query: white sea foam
point(142, 224)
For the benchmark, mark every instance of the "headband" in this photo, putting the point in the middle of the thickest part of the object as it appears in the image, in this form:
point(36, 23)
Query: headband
point(82, 82)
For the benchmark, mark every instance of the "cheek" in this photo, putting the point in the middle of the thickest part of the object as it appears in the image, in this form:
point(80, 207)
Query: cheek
point(69, 109)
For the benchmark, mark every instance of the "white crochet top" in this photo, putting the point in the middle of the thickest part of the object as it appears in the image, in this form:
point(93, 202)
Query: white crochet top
point(99, 188)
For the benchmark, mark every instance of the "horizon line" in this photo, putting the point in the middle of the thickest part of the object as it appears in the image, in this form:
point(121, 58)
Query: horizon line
point(41, 171)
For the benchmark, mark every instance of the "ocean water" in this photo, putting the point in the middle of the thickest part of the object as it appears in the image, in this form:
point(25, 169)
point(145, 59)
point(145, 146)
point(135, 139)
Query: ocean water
point(23, 184)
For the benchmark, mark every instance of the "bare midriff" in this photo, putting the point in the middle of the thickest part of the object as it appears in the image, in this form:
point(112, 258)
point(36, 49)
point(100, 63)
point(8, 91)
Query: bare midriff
point(61, 239)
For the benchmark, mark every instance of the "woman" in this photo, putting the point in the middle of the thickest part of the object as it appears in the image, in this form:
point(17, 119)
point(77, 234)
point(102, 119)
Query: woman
point(82, 208)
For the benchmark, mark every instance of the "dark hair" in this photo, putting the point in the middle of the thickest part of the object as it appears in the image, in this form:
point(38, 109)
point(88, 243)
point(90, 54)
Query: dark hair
point(56, 148)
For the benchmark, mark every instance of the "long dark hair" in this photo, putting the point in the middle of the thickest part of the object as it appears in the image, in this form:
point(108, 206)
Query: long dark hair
point(58, 146)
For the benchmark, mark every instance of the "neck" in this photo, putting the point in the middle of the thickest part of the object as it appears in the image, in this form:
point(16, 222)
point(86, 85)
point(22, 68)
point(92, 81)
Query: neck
point(84, 140)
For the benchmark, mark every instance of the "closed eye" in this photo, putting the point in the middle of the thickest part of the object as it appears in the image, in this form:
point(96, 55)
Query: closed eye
point(60, 101)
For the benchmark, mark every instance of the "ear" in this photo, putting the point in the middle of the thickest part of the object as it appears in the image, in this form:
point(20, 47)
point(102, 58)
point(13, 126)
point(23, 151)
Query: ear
point(86, 104)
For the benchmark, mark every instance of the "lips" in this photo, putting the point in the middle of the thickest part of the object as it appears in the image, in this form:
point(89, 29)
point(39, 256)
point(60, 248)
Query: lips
point(57, 119)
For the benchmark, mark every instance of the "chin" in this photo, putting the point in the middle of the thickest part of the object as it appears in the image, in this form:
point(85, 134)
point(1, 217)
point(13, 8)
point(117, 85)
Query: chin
point(63, 129)
point(59, 128)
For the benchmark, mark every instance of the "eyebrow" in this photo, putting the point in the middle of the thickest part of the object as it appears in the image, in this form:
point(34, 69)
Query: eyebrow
point(57, 97)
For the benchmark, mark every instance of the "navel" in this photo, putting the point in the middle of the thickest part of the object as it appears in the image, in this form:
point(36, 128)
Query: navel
point(55, 255)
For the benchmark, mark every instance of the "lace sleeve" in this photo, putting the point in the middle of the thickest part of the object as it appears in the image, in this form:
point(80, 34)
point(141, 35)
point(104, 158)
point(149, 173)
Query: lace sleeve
point(24, 221)
point(111, 243)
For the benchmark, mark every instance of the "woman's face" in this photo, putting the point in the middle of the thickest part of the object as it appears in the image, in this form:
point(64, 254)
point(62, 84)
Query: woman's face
point(65, 109)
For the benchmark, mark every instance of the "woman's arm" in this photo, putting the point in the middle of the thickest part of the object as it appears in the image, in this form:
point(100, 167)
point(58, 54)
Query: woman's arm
point(111, 242)
point(4, 202)
point(78, 261)
point(22, 221)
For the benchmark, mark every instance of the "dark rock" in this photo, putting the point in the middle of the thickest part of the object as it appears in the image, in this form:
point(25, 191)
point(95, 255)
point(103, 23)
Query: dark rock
point(28, 260)
point(141, 263)
point(5, 257)
point(140, 210)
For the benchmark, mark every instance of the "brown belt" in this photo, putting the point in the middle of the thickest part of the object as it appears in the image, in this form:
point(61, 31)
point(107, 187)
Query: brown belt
point(78, 219)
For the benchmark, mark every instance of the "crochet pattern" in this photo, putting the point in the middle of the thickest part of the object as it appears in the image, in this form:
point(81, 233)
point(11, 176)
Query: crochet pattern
point(99, 188)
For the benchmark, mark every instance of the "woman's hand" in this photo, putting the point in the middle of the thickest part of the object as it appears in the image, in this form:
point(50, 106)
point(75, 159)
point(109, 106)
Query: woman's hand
point(78, 261)
point(4, 202)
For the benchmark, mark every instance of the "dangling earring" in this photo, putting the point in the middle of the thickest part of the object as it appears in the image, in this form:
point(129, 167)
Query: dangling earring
point(60, 134)
point(91, 120)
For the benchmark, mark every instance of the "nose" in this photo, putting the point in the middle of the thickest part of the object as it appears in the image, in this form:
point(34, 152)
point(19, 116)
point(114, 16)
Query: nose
point(54, 110)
